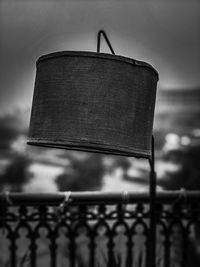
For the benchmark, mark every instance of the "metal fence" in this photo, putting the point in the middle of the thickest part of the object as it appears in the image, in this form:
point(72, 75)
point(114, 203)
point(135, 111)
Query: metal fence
point(98, 229)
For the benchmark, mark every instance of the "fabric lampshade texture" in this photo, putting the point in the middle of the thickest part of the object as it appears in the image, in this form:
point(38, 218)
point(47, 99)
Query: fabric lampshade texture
point(93, 102)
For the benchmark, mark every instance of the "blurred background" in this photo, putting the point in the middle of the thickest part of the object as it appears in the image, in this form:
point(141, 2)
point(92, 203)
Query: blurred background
point(163, 33)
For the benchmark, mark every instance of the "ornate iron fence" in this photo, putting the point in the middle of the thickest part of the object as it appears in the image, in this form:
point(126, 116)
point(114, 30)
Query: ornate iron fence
point(98, 229)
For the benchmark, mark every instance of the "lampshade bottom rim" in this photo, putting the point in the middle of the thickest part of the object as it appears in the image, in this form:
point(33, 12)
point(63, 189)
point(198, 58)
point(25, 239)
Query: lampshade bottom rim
point(103, 149)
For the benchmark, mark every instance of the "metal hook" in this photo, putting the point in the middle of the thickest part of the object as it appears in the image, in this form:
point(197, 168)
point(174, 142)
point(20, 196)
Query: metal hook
point(102, 32)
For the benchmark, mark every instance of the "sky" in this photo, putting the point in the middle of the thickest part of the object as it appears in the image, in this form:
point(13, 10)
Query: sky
point(163, 33)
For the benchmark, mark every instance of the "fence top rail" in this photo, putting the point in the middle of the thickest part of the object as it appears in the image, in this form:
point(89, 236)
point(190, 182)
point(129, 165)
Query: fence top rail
point(96, 197)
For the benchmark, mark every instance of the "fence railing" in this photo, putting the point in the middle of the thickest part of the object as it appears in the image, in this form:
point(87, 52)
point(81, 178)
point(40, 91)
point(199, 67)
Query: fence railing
point(98, 229)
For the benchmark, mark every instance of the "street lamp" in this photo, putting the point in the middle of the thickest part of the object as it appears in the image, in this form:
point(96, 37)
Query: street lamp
point(96, 102)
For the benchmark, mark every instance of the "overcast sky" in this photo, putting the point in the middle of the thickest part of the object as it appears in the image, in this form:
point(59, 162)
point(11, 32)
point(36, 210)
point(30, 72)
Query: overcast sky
point(164, 34)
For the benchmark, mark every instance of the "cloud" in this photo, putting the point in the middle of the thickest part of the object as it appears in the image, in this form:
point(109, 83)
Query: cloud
point(43, 179)
point(11, 127)
point(40, 185)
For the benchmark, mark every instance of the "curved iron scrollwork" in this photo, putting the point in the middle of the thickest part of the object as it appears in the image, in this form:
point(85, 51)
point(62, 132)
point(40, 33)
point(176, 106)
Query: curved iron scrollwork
point(91, 232)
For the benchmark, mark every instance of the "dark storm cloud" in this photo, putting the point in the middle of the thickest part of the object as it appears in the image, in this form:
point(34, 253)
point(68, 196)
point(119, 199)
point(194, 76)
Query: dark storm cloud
point(11, 126)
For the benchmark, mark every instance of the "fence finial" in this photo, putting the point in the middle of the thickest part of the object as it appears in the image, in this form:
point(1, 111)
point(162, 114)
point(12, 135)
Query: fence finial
point(125, 197)
point(66, 200)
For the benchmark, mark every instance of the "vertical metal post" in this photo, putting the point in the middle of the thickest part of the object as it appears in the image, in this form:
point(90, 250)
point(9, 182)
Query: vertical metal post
point(152, 191)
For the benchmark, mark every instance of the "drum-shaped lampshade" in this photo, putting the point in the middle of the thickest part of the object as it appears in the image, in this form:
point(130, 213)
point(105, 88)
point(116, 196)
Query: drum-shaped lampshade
point(93, 102)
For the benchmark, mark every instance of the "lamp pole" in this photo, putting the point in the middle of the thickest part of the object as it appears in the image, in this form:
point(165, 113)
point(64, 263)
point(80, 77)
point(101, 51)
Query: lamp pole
point(152, 193)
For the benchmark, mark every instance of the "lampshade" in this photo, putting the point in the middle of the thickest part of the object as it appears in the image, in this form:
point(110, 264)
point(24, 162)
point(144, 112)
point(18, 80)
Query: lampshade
point(93, 102)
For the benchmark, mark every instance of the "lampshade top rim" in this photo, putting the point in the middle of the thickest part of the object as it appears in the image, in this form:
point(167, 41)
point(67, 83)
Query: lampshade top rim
point(98, 55)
